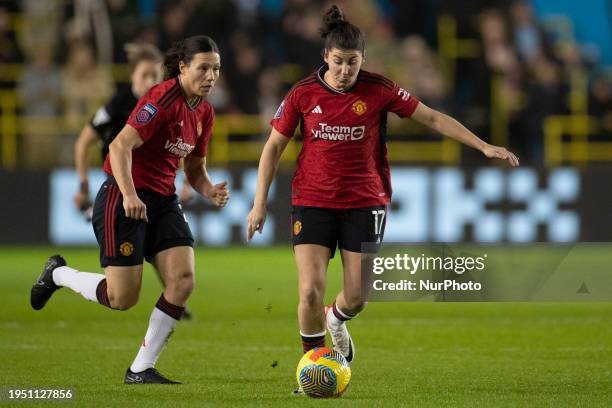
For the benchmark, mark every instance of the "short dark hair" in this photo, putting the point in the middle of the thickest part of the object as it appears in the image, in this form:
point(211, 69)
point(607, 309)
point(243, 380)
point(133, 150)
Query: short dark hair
point(184, 50)
point(338, 32)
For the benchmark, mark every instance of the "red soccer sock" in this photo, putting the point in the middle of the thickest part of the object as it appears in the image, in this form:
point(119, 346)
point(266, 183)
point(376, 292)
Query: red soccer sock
point(310, 341)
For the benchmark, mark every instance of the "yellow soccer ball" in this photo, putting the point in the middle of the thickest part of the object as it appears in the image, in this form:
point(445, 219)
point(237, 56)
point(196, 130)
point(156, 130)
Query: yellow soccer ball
point(323, 373)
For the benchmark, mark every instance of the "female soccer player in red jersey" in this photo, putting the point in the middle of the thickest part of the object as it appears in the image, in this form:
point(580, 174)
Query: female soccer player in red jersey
point(341, 185)
point(136, 212)
point(145, 62)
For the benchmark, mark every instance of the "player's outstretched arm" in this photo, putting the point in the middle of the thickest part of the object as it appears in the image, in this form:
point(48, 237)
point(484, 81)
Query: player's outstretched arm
point(195, 170)
point(87, 137)
point(120, 151)
point(268, 165)
point(450, 127)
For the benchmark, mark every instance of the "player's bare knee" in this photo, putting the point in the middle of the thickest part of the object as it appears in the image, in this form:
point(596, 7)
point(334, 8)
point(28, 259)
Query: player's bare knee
point(355, 303)
point(182, 285)
point(311, 297)
point(122, 301)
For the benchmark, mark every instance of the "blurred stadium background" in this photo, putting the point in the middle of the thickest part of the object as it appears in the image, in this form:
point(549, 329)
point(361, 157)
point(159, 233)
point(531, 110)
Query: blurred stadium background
point(532, 75)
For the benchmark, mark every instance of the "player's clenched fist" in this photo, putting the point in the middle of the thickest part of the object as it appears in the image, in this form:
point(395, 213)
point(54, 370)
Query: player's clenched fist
point(218, 194)
point(135, 208)
point(82, 200)
point(255, 221)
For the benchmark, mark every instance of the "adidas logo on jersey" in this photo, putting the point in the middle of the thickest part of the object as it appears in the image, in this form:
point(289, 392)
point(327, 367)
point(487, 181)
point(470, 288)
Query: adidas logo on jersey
point(317, 109)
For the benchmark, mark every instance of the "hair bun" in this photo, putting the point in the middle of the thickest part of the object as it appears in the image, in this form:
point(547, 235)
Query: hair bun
point(332, 19)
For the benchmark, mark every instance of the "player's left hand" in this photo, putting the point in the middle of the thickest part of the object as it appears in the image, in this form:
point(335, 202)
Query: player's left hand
point(500, 153)
point(82, 201)
point(218, 195)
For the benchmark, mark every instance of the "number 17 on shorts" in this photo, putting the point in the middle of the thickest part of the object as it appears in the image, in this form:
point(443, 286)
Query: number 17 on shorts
point(379, 222)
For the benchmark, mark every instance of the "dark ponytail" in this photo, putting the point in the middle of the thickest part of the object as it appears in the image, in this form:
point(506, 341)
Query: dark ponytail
point(184, 50)
point(338, 32)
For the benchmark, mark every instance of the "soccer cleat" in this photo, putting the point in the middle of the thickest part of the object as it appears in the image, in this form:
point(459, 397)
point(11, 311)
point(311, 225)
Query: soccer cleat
point(44, 286)
point(341, 339)
point(299, 390)
point(148, 376)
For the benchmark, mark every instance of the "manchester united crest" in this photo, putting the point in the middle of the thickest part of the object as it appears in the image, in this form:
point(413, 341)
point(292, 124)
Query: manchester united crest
point(360, 107)
point(297, 227)
point(126, 248)
point(199, 128)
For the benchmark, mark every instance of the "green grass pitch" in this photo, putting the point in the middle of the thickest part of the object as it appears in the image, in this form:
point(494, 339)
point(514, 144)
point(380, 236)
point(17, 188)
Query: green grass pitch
point(243, 346)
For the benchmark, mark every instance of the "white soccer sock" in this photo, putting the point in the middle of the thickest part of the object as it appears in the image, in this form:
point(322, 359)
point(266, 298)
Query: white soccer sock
point(313, 335)
point(84, 283)
point(333, 320)
point(160, 328)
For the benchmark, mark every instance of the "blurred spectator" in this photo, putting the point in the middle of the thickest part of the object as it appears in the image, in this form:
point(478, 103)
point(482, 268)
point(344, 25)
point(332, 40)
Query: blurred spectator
point(126, 23)
point(9, 49)
point(270, 27)
point(84, 84)
point(270, 94)
point(242, 73)
point(301, 40)
point(39, 91)
point(95, 14)
point(527, 35)
point(382, 54)
point(416, 17)
point(545, 96)
point(42, 22)
point(220, 96)
point(149, 34)
point(498, 67)
point(40, 86)
point(499, 54)
point(421, 74)
point(246, 13)
point(174, 19)
point(600, 103)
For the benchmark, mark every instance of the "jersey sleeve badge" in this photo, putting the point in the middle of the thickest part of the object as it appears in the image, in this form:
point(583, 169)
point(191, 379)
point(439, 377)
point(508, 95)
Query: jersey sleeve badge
point(146, 113)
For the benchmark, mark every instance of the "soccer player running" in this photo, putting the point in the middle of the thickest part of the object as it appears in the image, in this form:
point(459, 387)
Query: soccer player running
point(341, 185)
point(144, 62)
point(136, 212)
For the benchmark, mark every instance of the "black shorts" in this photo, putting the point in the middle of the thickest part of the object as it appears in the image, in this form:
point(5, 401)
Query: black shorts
point(125, 241)
point(346, 228)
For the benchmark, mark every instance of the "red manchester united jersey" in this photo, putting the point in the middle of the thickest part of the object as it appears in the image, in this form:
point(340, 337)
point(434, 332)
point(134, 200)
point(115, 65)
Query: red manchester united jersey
point(343, 162)
point(171, 130)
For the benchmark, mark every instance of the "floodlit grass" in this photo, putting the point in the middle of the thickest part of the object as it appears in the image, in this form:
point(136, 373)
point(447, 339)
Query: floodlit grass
point(243, 345)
